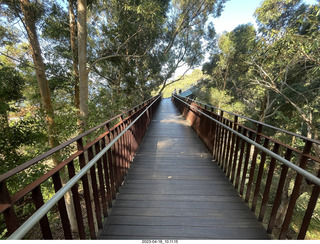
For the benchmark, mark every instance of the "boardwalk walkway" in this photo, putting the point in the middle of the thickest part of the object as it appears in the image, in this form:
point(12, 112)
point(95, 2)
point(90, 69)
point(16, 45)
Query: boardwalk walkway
point(175, 191)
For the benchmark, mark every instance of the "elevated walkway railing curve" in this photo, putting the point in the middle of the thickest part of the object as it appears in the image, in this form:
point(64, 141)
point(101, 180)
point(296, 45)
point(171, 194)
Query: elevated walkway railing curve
point(93, 174)
point(262, 169)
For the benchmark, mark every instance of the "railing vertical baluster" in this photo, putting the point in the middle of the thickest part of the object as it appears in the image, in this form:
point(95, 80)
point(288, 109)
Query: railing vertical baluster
point(235, 159)
point(101, 182)
point(216, 142)
point(296, 190)
point(119, 156)
point(76, 202)
point(127, 145)
point(226, 146)
point(115, 160)
point(267, 188)
point(86, 191)
point(259, 177)
point(9, 214)
point(125, 156)
point(309, 212)
point(123, 148)
point(216, 139)
point(111, 166)
point(131, 140)
point(106, 173)
point(213, 134)
point(277, 199)
point(44, 222)
point(220, 139)
point(229, 151)
point(253, 163)
point(95, 189)
point(246, 163)
point(232, 142)
point(243, 143)
point(62, 207)
point(223, 144)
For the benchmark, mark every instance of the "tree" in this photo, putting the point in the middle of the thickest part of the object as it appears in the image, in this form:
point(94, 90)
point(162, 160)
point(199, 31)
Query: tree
point(82, 56)
point(29, 12)
point(74, 50)
point(183, 40)
point(287, 65)
point(227, 65)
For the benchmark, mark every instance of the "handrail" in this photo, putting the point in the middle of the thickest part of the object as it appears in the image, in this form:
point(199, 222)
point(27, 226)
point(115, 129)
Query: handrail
point(259, 122)
point(29, 163)
point(26, 226)
point(291, 165)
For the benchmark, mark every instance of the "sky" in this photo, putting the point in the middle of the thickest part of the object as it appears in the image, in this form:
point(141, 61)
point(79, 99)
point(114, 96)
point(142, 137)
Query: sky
point(238, 12)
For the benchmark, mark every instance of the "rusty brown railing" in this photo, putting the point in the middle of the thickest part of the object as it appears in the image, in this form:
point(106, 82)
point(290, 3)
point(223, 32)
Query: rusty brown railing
point(93, 174)
point(279, 182)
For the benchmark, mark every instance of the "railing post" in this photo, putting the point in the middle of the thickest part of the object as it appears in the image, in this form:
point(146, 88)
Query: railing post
point(9, 214)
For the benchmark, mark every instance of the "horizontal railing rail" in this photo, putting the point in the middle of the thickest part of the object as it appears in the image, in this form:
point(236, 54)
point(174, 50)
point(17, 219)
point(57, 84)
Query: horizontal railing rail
point(261, 169)
point(93, 175)
point(212, 109)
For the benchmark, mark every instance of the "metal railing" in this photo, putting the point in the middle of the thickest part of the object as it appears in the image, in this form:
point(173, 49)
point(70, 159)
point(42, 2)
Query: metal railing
point(94, 174)
point(261, 168)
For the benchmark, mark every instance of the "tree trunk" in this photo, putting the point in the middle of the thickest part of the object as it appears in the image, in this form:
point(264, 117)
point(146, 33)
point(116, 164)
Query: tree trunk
point(29, 21)
point(74, 51)
point(83, 80)
point(82, 55)
point(263, 107)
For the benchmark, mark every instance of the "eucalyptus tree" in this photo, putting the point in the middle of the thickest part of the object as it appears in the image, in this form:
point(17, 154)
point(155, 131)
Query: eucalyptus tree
point(29, 13)
point(183, 42)
point(286, 64)
point(288, 58)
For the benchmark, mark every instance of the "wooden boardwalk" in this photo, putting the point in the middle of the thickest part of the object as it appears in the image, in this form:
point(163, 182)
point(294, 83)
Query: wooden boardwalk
point(174, 190)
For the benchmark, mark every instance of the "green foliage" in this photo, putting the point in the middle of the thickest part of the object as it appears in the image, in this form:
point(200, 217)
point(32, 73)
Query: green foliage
point(274, 77)
point(182, 83)
point(220, 99)
point(11, 84)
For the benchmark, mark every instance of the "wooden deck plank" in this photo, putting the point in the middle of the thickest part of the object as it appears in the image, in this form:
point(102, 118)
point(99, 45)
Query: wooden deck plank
point(175, 191)
point(182, 221)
